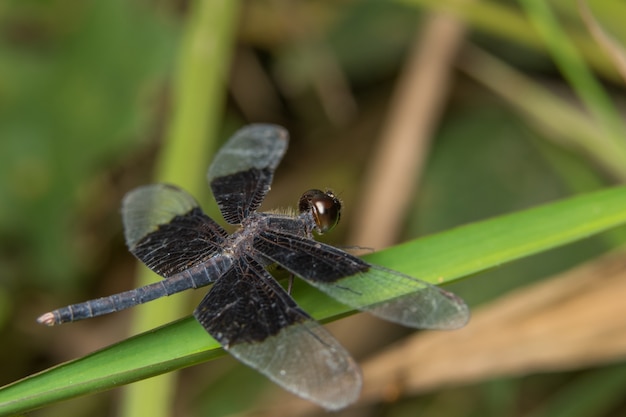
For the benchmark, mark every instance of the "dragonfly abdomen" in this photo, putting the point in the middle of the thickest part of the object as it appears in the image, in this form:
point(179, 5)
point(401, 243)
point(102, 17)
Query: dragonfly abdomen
point(194, 277)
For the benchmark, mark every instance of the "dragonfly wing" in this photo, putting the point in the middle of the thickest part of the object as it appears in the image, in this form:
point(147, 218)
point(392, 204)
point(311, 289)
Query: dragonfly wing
point(256, 321)
point(385, 293)
point(166, 229)
point(242, 171)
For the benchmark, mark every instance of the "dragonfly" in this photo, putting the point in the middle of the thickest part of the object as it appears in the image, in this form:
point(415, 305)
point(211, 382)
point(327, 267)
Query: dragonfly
point(246, 309)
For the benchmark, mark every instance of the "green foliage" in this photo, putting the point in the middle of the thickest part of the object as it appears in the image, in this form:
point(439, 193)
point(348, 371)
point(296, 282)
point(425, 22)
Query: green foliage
point(75, 94)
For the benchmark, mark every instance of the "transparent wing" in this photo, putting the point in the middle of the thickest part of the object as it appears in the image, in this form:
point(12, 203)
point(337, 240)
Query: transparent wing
point(383, 292)
point(255, 320)
point(166, 229)
point(242, 171)
point(420, 305)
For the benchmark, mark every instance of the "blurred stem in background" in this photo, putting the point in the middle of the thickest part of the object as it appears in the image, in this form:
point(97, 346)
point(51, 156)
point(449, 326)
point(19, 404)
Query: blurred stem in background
point(574, 69)
point(197, 108)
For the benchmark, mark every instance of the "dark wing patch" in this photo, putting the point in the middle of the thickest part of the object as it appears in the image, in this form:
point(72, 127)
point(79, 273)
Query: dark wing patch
point(308, 258)
point(256, 321)
point(385, 293)
point(246, 305)
point(242, 170)
point(165, 229)
point(241, 193)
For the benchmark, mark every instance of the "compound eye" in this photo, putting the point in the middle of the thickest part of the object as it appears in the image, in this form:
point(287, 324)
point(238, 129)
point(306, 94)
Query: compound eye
point(325, 207)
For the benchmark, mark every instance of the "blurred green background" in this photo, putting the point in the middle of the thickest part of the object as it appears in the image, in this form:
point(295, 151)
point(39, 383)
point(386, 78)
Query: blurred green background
point(87, 97)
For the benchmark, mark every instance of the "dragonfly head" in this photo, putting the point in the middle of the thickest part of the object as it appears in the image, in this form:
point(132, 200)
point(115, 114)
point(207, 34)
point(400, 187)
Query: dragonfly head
point(324, 206)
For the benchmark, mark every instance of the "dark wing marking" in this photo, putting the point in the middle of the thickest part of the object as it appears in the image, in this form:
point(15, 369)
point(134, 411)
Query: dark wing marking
point(385, 293)
point(242, 170)
point(255, 320)
point(167, 231)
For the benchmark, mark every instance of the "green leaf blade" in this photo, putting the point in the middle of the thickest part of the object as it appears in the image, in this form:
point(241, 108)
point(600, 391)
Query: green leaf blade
point(469, 249)
point(130, 360)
